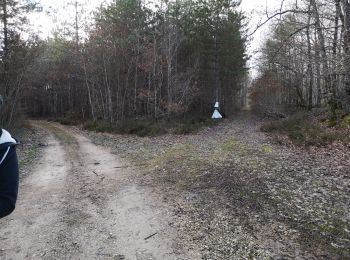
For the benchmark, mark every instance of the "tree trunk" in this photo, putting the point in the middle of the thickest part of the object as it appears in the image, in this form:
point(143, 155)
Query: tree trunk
point(309, 66)
point(5, 46)
point(322, 49)
point(335, 48)
point(108, 92)
point(89, 93)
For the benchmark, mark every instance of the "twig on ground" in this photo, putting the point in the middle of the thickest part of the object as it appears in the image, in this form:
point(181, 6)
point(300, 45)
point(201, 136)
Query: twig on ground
point(151, 236)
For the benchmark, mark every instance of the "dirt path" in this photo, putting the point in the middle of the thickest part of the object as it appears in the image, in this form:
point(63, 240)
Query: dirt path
point(237, 194)
point(81, 202)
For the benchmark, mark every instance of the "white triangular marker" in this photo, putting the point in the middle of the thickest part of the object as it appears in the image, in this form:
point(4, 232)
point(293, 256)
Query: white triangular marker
point(216, 115)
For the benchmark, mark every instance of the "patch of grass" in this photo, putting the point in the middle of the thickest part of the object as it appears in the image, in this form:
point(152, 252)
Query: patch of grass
point(345, 123)
point(179, 153)
point(192, 125)
point(230, 145)
point(60, 134)
point(178, 165)
point(266, 149)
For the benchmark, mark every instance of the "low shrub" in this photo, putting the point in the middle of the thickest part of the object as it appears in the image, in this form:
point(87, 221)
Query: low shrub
point(98, 126)
point(149, 127)
point(303, 129)
point(141, 127)
point(68, 119)
point(290, 124)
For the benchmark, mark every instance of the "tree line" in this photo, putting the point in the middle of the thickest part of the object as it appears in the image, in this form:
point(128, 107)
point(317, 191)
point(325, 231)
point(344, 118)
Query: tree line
point(305, 61)
point(132, 61)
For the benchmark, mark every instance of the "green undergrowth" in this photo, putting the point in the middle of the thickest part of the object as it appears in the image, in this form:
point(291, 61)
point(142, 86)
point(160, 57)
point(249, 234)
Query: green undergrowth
point(142, 126)
point(68, 119)
point(150, 127)
point(345, 123)
point(306, 130)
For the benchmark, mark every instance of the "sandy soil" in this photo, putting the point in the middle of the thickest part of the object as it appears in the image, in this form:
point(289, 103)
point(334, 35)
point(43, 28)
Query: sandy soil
point(82, 202)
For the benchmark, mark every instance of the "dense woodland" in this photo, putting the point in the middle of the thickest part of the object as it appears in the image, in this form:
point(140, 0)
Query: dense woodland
point(131, 61)
point(134, 60)
point(305, 62)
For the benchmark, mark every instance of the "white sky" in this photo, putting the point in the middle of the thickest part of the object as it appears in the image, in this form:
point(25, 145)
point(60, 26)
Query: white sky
point(57, 12)
point(256, 13)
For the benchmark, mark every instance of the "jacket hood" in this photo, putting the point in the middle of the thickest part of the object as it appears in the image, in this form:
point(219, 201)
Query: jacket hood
point(6, 139)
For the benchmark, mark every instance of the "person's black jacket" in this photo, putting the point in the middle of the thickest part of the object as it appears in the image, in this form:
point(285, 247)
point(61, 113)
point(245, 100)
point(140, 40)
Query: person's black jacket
point(9, 176)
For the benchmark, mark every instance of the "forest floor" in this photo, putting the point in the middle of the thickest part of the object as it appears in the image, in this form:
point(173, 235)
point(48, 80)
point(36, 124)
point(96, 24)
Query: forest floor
point(228, 192)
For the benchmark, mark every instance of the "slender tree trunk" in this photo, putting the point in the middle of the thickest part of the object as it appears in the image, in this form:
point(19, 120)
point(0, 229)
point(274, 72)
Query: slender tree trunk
point(310, 70)
point(169, 69)
point(5, 30)
point(5, 46)
point(318, 74)
point(126, 87)
point(335, 48)
point(136, 74)
point(92, 108)
point(108, 92)
point(322, 49)
point(154, 74)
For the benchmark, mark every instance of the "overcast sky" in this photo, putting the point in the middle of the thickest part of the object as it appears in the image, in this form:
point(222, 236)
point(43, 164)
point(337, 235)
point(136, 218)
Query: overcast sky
point(256, 13)
point(54, 12)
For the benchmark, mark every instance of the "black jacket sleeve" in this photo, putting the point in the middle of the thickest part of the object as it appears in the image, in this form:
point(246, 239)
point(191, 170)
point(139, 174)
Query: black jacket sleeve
point(9, 178)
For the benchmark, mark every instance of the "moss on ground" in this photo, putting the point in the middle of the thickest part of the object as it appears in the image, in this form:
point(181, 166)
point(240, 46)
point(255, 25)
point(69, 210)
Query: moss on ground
point(345, 122)
point(266, 149)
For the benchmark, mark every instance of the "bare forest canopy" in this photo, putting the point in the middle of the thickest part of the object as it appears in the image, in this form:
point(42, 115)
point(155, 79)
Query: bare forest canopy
point(132, 61)
point(306, 60)
point(138, 61)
